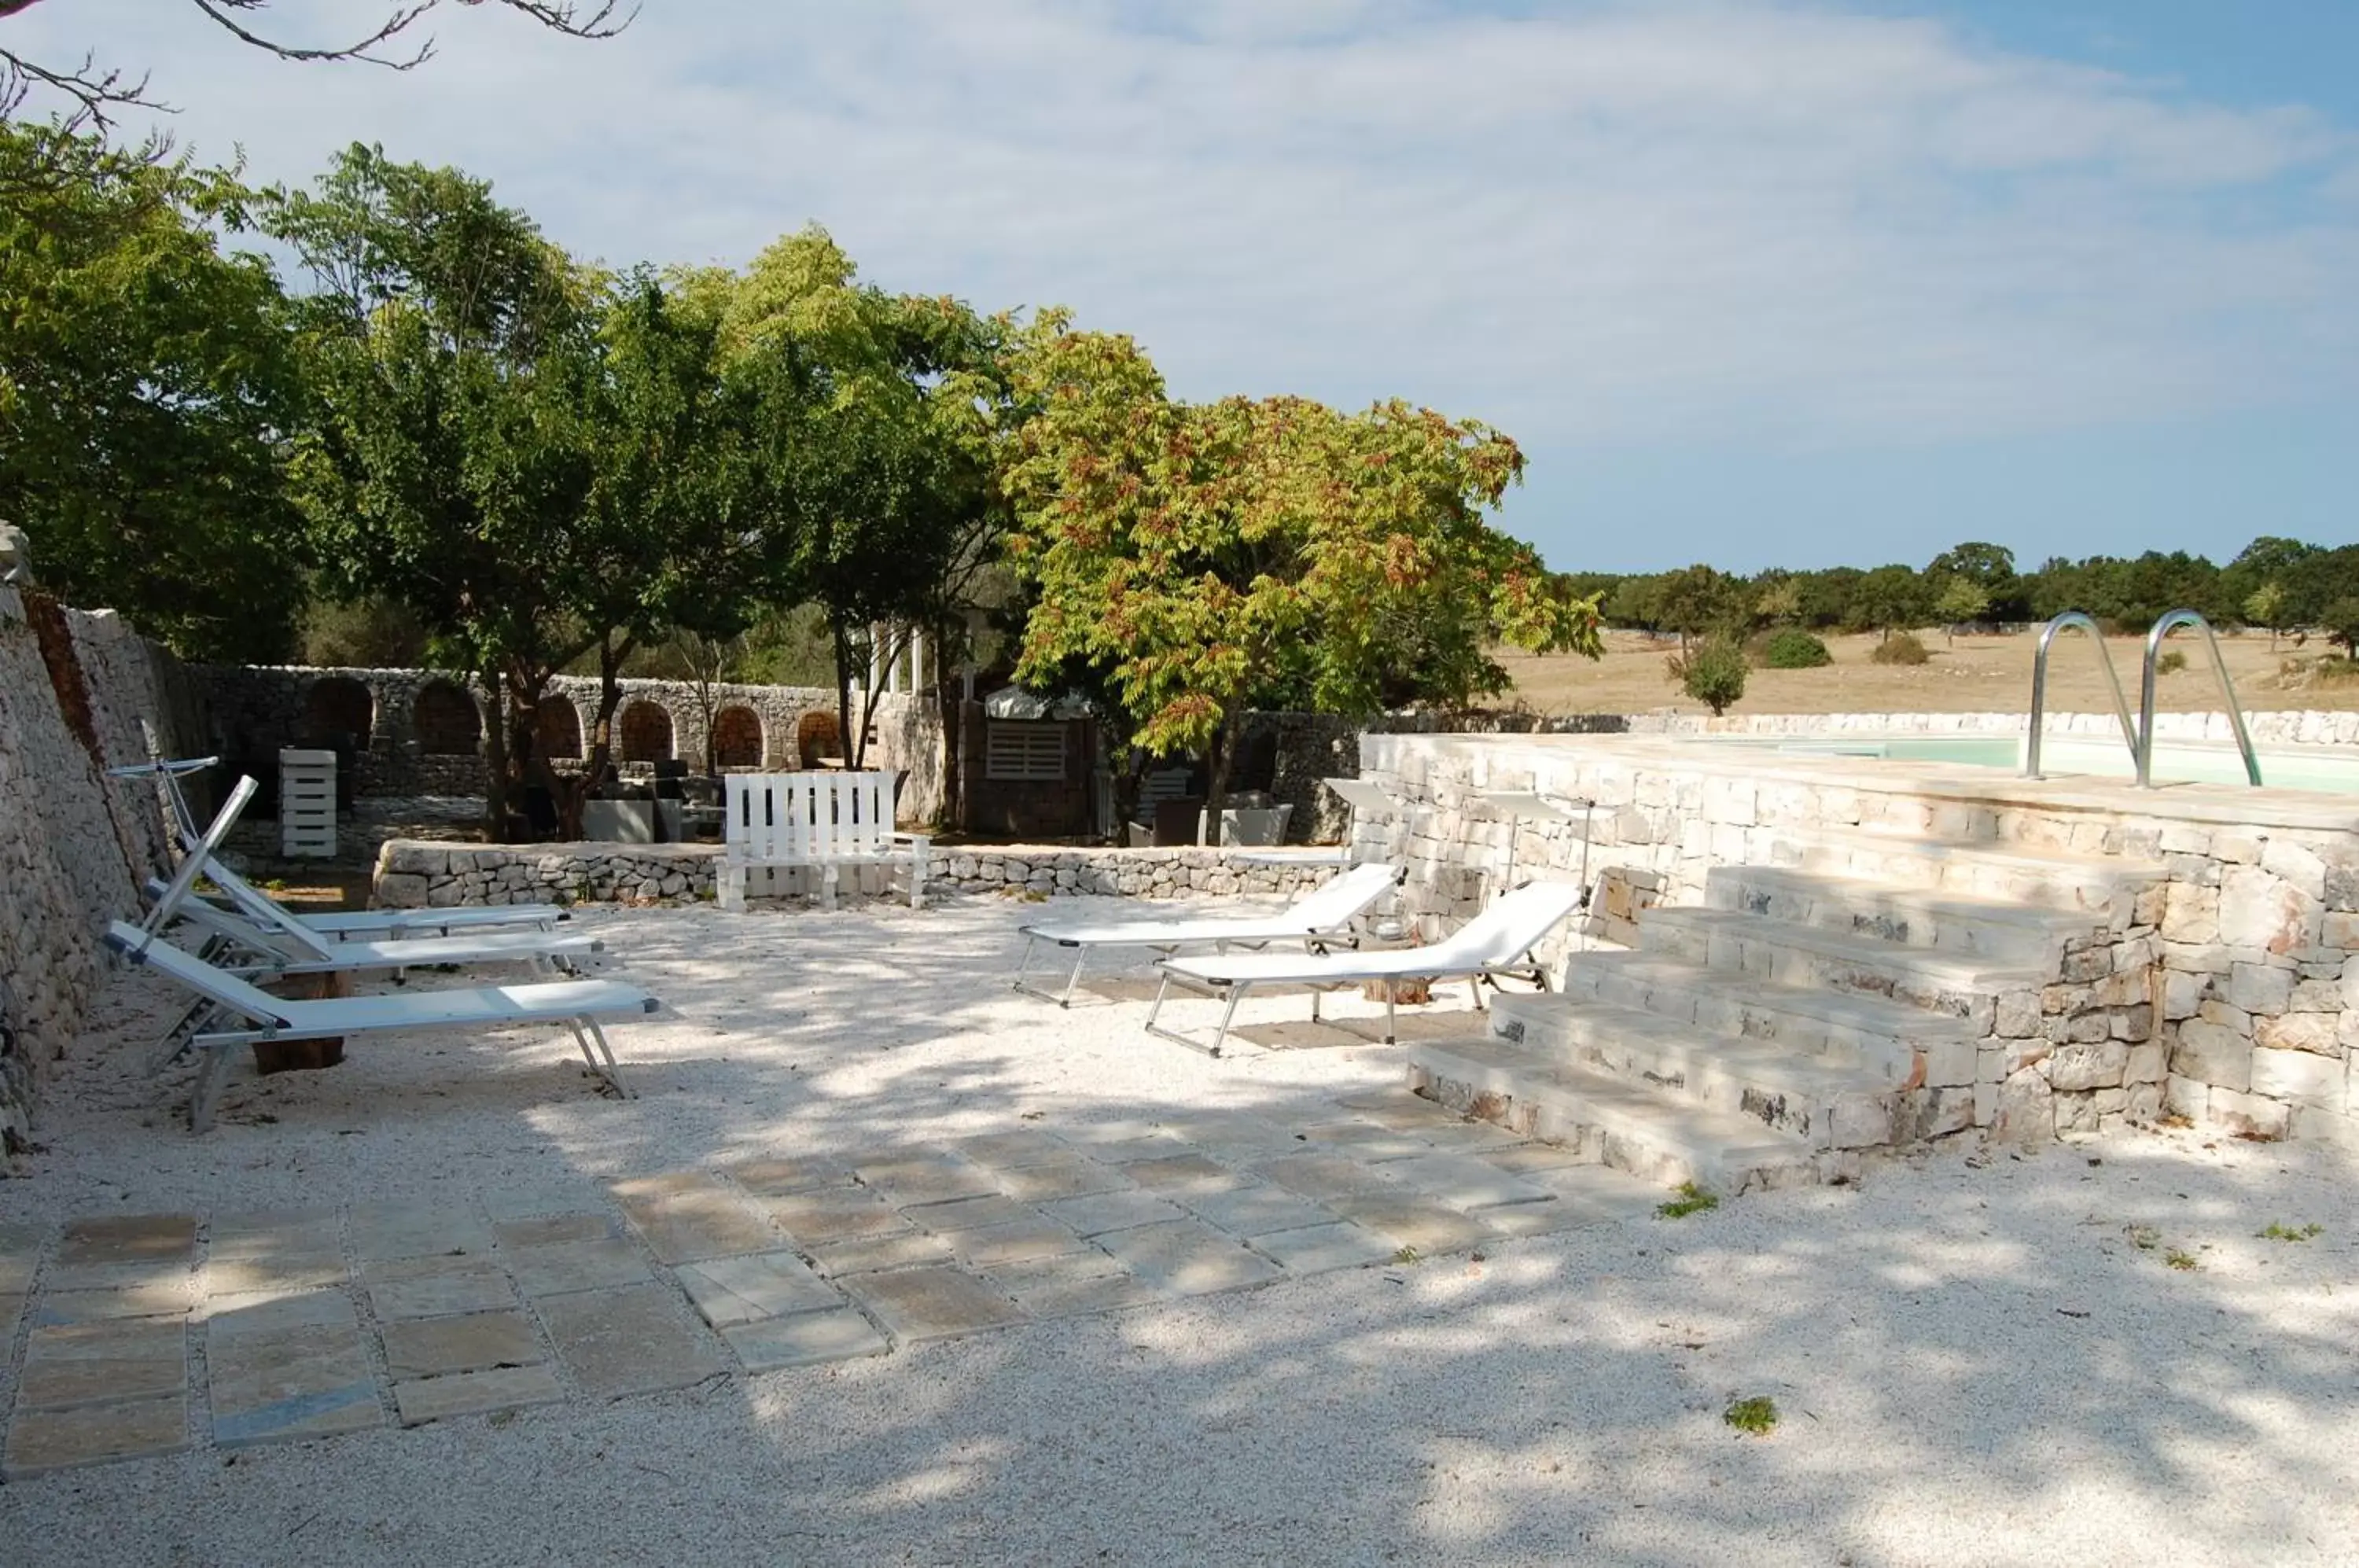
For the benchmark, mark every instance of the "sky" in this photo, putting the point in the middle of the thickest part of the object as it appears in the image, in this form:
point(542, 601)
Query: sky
point(1756, 282)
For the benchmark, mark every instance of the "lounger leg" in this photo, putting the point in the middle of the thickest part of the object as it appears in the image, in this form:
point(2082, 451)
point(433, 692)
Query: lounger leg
point(1024, 963)
point(586, 1030)
point(204, 1095)
point(1316, 992)
point(1392, 1029)
point(194, 1022)
point(1474, 989)
point(827, 886)
point(730, 893)
point(1080, 956)
point(1160, 992)
point(1221, 1036)
point(917, 876)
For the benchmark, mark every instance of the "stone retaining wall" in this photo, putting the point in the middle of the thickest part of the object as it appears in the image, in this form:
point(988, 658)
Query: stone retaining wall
point(418, 873)
point(2229, 991)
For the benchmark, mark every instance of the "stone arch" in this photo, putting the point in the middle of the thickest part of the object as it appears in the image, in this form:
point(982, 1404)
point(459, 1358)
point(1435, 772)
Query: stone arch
point(557, 727)
point(336, 707)
point(645, 730)
point(447, 722)
point(737, 738)
point(817, 735)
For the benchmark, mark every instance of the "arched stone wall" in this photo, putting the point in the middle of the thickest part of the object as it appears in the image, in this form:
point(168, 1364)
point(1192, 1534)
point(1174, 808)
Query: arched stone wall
point(644, 731)
point(736, 737)
point(446, 721)
point(339, 707)
point(556, 726)
point(817, 735)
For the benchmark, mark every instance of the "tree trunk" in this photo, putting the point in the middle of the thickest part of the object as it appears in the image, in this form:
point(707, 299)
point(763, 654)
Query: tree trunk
point(1216, 783)
point(852, 746)
point(495, 759)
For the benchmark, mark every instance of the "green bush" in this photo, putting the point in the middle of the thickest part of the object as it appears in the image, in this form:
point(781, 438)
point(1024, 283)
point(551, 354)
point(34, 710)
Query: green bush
point(1900, 647)
point(2171, 663)
point(1794, 648)
point(1712, 672)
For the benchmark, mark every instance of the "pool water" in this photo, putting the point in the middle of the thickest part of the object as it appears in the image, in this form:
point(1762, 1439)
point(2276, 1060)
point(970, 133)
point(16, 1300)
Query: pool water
point(2333, 770)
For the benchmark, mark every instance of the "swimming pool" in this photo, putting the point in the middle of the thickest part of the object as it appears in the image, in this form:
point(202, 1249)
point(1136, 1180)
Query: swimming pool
point(2335, 769)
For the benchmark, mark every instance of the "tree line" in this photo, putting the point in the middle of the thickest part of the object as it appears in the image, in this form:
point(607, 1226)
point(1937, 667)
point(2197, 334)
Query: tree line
point(386, 404)
point(2279, 584)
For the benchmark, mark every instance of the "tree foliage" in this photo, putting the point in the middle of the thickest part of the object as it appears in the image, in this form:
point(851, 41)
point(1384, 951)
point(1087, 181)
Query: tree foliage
point(145, 375)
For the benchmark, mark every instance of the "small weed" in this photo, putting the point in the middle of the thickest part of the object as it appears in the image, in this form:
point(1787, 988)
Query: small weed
point(1407, 1254)
point(273, 884)
point(1756, 1416)
point(2144, 1237)
point(2173, 1121)
point(1692, 1200)
point(2171, 663)
point(2179, 1258)
point(2276, 1232)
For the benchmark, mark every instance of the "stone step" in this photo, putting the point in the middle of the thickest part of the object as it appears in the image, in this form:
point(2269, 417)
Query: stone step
point(1807, 956)
point(1826, 1104)
point(1885, 1039)
point(1913, 917)
point(2108, 887)
point(1617, 1123)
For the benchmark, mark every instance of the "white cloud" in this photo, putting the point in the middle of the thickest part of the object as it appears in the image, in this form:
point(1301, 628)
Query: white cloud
point(1597, 224)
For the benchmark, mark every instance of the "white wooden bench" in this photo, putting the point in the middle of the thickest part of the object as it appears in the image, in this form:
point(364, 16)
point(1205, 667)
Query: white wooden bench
point(781, 822)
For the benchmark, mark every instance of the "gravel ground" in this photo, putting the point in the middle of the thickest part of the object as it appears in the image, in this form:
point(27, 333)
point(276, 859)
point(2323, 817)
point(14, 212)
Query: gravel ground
point(1975, 1360)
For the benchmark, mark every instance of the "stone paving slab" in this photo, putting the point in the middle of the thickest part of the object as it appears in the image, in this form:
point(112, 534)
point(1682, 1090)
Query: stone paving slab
point(1316, 1249)
point(1188, 1172)
point(301, 1382)
point(1461, 1137)
point(1525, 1158)
point(230, 1318)
point(1237, 1138)
point(1071, 1285)
point(153, 1298)
point(476, 1393)
point(1187, 1258)
point(128, 1238)
point(1121, 1144)
point(277, 1272)
point(1398, 1109)
point(772, 1178)
point(1364, 1140)
point(96, 1362)
point(20, 1252)
point(805, 1340)
point(1410, 1221)
point(265, 1233)
point(550, 1230)
point(471, 1341)
point(12, 1307)
point(1015, 1150)
point(1322, 1177)
point(914, 1177)
point(1606, 1193)
point(1107, 1211)
point(635, 1340)
point(1464, 1182)
point(1071, 1177)
point(731, 1290)
point(684, 1220)
point(832, 1214)
point(971, 1214)
point(935, 1302)
point(1256, 1210)
point(40, 1441)
point(569, 1265)
point(438, 1287)
point(387, 1232)
point(523, 1201)
point(1038, 1237)
point(873, 1254)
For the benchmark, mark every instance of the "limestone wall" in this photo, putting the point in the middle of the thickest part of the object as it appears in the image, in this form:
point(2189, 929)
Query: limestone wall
point(73, 844)
point(2228, 992)
point(417, 872)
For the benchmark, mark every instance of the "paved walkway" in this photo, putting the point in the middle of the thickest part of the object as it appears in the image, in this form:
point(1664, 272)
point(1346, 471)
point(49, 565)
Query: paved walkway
point(319, 1322)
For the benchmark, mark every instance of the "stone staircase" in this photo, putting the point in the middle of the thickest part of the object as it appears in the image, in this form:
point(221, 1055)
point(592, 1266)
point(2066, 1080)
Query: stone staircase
point(1850, 995)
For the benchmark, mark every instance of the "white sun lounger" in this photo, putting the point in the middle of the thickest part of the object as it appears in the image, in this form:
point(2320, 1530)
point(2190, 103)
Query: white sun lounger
point(1317, 919)
point(251, 949)
point(576, 1004)
point(1495, 944)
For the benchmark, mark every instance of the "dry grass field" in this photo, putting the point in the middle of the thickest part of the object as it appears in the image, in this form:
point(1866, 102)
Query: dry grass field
point(1977, 674)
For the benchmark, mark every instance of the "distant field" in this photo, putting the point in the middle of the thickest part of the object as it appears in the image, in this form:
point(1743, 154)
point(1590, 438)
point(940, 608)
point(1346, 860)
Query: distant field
point(1979, 674)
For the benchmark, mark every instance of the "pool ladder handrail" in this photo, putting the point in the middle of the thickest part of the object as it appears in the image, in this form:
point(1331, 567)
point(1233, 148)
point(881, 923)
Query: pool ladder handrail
point(2065, 622)
point(2168, 623)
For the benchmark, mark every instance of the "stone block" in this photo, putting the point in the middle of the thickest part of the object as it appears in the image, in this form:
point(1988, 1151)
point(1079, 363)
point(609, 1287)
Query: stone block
point(971, 1213)
point(1318, 1249)
point(2017, 1016)
point(2026, 1112)
point(1100, 1214)
point(293, 1383)
point(2252, 1115)
point(2147, 1063)
point(2297, 865)
point(1024, 1241)
point(2259, 988)
point(2181, 994)
point(569, 1265)
point(871, 1253)
point(1070, 1284)
point(2079, 1067)
point(1322, 1177)
point(729, 1290)
point(1187, 1258)
point(1188, 1172)
point(437, 1287)
point(687, 1216)
point(430, 1347)
point(280, 1273)
point(833, 1215)
point(383, 1233)
point(1256, 1210)
point(806, 1339)
point(2190, 914)
point(102, 1363)
point(913, 1178)
point(270, 1233)
point(153, 1298)
point(2261, 910)
point(1014, 1150)
point(553, 1230)
point(40, 1441)
point(1068, 1178)
point(229, 1319)
point(1464, 1182)
point(2212, 1055)
point(935, 1302)
point(2312, 1032)
point(1413, 1222)
point(630, 1341)
point(2300, 1075)
point(476, 1393)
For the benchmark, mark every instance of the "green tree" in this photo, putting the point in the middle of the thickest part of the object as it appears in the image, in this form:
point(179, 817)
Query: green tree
point(1887, 599)
point(2265, 606)
point(1712, 672)
point(1698, 599)
point(144, 379)
point(1198, 554)
point(1777, 602)
point(1961, 600)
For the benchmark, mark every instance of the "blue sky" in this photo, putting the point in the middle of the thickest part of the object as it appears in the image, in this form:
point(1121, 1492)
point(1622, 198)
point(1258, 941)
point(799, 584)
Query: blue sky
point(1754, 281)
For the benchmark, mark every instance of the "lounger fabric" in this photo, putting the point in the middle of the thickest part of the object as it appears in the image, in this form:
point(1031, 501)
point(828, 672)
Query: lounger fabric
point(1329, 908)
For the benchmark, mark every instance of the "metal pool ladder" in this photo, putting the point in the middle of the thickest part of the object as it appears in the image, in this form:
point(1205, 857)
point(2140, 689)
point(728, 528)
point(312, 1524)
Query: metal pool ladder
point(2139, 736)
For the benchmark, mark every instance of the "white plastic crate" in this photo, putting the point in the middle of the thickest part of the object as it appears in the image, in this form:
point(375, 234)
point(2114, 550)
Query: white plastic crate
point(307, 803)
